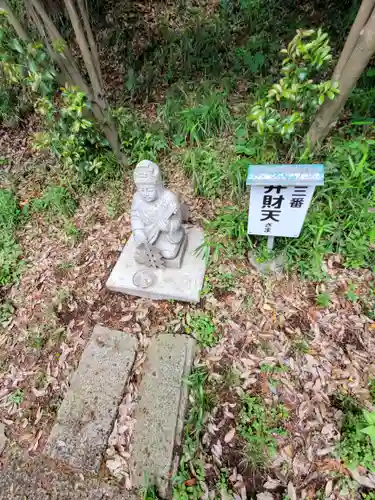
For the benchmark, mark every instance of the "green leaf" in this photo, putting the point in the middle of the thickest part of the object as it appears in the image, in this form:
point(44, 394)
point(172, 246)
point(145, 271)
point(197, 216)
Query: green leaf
point(370, 431)
point(16, 45)
point(370, 417)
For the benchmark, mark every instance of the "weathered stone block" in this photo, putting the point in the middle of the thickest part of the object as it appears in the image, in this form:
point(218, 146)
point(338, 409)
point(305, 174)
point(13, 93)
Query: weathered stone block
point(85, 418)
point(161, 409)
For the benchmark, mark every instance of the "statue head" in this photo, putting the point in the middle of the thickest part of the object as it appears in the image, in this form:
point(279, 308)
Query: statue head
point(147, 178)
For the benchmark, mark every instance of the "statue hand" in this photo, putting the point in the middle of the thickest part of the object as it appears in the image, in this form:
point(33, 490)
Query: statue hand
point(139, 236)
point(163, 225)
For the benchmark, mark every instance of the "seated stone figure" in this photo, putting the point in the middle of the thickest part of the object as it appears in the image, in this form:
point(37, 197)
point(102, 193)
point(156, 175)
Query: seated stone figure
point(156, 218)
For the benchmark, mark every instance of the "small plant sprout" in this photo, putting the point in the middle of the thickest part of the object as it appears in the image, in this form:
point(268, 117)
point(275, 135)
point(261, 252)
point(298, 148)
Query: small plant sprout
point(258, 426)
point(16, 397)
point(323, 299)
point(200, 326)
point(351, 293)
point(301, 346)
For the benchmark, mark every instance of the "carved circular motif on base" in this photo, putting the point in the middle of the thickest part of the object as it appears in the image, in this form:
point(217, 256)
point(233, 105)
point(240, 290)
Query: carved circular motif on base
point(144, 278)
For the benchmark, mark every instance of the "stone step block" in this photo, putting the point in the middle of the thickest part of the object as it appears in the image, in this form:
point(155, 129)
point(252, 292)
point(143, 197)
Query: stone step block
point(161, 409)
point(86, 415)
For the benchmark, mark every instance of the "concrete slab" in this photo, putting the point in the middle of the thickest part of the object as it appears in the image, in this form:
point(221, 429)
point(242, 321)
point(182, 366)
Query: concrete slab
point(179, 284)
point(161, 409)
point(85, 418)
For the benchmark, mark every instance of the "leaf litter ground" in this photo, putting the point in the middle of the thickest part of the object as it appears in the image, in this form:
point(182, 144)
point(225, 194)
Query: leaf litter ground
point(261, 320)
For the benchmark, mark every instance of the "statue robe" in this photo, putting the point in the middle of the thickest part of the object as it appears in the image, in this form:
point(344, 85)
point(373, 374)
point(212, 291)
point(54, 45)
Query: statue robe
point(145, 216)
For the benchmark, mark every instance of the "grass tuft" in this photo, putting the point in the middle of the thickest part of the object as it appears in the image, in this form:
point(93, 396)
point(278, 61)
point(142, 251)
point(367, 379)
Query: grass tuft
point(191, 118)
point(56, 201)
point(10, 251)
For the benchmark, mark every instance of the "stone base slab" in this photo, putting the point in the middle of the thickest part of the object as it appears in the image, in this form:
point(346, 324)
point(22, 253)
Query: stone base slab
point(183, 284)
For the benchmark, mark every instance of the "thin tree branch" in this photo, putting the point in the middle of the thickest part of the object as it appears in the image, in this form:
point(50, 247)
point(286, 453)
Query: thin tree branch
point(69, 63)
point(90, 38)
point(21, 32)
point(83, 45)
point(64, 76)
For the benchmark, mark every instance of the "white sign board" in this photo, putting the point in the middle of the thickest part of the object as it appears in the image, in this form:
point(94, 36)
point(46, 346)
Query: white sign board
point(280, 197)
point(278, 210)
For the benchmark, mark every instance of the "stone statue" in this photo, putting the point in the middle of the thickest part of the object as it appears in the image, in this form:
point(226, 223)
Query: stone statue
point(156, 218)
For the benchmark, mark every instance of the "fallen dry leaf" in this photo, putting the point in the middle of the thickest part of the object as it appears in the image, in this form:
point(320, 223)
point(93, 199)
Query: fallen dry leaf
point(230, 435)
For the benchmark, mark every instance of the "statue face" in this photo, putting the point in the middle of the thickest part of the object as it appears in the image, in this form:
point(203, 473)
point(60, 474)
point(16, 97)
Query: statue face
point(148, 192)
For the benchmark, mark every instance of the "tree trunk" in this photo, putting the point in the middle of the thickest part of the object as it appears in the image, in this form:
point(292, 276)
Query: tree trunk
point(110, 131)
point(4, 5)
point(360, 21)
point(357, 62)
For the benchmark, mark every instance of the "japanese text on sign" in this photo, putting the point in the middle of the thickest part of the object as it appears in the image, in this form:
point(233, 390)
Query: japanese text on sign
point(277, 210)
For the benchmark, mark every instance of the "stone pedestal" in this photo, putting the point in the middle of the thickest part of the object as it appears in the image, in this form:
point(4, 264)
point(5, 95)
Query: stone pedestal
point(167, 283)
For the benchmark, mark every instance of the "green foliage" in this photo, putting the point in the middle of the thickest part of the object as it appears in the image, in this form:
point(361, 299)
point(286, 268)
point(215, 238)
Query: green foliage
point(69, 131)
point(25, 69)
point(368, 496)
point(9, 210)
point(259, 425)
point(223, 487)
point(301, 346)
point(292, 101)
point(191, 465)
point(73, 136)
point(226, 234)
point(370, 429)
point(149, 491)
point(10, 251)
point(339, 220)
point(371, 387)
point(14, 104)
point(6, 313)
point(16, 397)
point(219, 281)
point(357, 443)
point(201, 327)
point(215, 172)
point(46, 337)
point(137, 140)
point(272, 371)
point(24, 64)
point(193, 117)
point(57, 201)
point(350, 294)
point(323, 299)
point(193, 42)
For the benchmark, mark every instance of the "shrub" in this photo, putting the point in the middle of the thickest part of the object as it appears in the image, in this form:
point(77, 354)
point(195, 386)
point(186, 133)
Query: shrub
point(72, 134)
point(292, 101)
